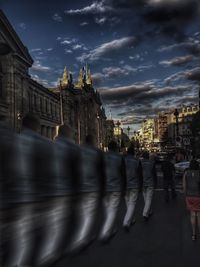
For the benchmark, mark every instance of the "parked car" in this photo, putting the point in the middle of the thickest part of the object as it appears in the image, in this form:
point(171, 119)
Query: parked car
point(180, 167)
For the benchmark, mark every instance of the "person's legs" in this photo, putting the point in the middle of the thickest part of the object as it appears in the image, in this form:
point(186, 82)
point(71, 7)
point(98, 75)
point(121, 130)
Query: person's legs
point(87, 216)
point(193, 222)
point(173, 188)
point(148, 201)
point(198, 220)
point(131, 199)
point(111, 205)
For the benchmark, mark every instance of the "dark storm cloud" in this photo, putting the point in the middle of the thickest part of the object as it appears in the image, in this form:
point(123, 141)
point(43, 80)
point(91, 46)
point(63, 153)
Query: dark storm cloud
point(124, 93)
point(178, 61)
point(108, 48)
point(170, 15)
point(188, 46)
point(193, 74)
point(143, 94)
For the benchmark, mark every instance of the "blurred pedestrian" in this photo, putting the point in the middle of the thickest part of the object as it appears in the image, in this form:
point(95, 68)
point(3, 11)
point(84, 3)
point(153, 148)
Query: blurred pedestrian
point(21, 193)
point(149, 182)
point(58, 215)
point(133, 169)
point(7, 214)
point(114, 186)
point(91, 169)
point(191, 187)
point(168, 170)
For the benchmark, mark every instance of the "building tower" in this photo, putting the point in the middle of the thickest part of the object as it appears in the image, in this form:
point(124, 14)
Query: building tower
point(88, 77)
point(80, 83)
point(65, 79)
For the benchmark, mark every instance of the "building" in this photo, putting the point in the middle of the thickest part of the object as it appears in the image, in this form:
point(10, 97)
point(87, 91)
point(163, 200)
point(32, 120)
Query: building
point(81, 106)
point(146, 134)
point(162, 124)
point(109, 131)
point(19, 94)
point(184, 119)
point(78, 105)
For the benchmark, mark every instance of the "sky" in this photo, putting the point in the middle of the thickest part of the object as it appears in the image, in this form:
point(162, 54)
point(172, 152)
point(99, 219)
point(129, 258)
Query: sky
point(144, 55)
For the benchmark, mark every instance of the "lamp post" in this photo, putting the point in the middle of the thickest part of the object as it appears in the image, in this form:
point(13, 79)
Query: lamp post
point(98, 130)
point(176, 114)
point(128, 130)
point(118, 124)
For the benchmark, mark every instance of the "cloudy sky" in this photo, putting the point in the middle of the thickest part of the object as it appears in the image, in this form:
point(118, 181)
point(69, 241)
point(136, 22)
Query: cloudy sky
point(144, 55)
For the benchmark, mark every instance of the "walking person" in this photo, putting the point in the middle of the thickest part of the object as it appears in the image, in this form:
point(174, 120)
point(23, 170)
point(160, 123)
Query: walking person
point(191, 188)
point(91, 169)
point(58, 216)
point(149, 177)
point(114, 185)
point(132, 166)
point(168, 170)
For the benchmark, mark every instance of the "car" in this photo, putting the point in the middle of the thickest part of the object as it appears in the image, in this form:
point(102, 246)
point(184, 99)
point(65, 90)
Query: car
point(180, 167)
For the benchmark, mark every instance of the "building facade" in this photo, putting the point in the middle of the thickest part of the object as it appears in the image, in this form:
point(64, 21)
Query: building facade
point(19, 94)
point(81, 107)
point(78, 105)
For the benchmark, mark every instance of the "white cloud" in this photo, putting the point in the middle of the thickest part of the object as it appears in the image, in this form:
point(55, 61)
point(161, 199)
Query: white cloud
point(79, 46)
point(108, 47)
point(68, 41)
point(178, 60)
point(85, 23)
point(100, 21)
point(57, 17)
point(94, 8)
point(22, 25)
point(36, 50)
point(37, 66)
point(68, 51)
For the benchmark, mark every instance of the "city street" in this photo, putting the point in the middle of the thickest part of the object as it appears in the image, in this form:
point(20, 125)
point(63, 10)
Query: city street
point(165, 240)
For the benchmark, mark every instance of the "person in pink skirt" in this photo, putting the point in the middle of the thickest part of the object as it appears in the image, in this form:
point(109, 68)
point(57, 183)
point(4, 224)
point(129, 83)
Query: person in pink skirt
point(191, 187)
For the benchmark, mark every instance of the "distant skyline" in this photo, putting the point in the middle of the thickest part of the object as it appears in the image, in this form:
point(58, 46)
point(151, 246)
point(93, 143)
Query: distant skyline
point(144, 55)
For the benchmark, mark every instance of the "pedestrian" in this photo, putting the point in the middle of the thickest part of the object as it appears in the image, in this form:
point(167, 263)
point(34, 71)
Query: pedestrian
point(149, 181)
point(191, 188)
point(132, 166)
point(168, 170)
point(22, 193)
point(57, 219)
point(91, 169)
point(114, 186)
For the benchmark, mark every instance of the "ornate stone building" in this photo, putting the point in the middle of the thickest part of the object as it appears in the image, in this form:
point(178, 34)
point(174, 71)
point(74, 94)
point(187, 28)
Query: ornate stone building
point(82, 107)
point(19, 94)
point(78, 105)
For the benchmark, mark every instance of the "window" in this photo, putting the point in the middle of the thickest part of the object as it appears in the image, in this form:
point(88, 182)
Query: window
point(46, 106)
point(41, 104)
point(35, 101)
point(51, 108)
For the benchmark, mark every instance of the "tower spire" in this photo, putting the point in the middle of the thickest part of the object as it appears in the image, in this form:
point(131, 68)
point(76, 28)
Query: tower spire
point(88, 77)
point(65, 79)
point(80, 83)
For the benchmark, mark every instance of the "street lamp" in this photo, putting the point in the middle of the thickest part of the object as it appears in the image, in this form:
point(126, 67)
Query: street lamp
point(118, 124)
point(98, 130)
point(128, 130)
point(176, 114)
